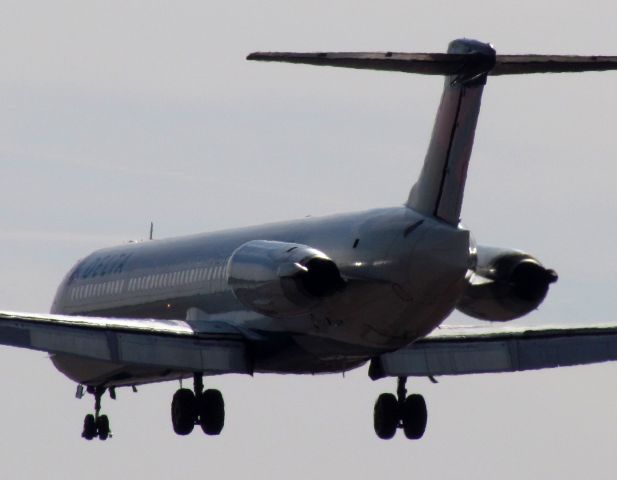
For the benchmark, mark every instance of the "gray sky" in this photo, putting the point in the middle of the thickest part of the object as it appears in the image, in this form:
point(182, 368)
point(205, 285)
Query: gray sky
point(117, 113)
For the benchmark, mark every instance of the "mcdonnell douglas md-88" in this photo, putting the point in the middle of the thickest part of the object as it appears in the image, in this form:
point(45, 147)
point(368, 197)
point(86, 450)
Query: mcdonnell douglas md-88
point(320, 295)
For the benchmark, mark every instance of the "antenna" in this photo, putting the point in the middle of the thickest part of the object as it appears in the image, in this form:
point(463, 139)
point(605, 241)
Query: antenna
point(151, 230)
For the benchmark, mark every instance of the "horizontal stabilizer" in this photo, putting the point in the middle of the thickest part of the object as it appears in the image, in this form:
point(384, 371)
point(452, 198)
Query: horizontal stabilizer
point(518, 64)
point(445, 63)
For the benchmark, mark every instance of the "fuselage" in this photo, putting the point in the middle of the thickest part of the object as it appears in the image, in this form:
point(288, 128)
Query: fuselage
point(404, 273)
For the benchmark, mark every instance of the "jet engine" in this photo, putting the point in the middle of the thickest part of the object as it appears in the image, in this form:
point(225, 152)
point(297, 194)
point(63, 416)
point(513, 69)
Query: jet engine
point(504, 285)
point(282, 279)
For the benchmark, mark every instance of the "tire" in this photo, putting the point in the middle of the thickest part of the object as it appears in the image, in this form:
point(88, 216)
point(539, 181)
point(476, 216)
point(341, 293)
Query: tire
point(212, 412)
point(102, 427)
point(414, 417)
point(89, 431)
point(183, 411)
point(385, 416)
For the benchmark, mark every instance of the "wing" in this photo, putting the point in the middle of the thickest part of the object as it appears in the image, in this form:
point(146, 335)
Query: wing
point(209, 347)
point(453, 350)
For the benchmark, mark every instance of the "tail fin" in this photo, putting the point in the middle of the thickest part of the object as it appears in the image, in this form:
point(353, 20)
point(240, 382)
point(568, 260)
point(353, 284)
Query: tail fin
point(439, 190)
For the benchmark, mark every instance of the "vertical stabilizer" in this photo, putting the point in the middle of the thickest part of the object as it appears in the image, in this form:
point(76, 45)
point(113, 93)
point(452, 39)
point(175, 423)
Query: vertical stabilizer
point(439, 190)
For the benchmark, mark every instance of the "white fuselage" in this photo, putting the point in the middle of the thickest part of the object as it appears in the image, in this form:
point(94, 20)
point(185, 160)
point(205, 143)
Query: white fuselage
point(404, 274)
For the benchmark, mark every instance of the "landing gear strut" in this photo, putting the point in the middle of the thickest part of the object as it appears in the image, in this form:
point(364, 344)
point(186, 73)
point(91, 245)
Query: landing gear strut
point(400, 411)
point(97, 425)
point(198, 407)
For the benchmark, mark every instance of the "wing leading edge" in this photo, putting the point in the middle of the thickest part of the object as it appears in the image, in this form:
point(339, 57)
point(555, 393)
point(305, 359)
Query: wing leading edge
point(210, 347)
point(455, 350)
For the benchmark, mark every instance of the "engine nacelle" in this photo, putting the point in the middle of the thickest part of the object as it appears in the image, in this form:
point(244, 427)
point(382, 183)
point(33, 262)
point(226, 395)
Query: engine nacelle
point(505, 284)
point(282, 279)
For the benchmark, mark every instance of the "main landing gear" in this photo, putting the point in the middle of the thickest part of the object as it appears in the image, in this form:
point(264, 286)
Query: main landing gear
point(205, 408)
point(400, 411)
point(97, 425)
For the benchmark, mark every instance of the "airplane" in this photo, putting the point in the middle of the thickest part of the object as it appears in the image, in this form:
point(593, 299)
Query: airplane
point(321, 295)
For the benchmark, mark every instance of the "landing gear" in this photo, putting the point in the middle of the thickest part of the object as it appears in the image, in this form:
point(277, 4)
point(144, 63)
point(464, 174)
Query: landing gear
point(205, 408)
point(89, 427)
point(402, 411)
point(414, 416)
point(183, 411)
point(212, 412)
point(385, 417)
point(97, 425)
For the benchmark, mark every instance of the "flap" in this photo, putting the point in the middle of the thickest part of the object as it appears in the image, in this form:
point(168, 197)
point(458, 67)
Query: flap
point(209, 347)
point(452, 350)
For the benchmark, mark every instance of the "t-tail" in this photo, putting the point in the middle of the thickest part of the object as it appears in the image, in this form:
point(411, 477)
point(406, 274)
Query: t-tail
point(440, 187)
point(466, 65)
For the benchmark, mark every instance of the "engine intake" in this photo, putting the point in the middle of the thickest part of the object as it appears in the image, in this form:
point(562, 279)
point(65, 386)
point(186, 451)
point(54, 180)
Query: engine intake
point(505, 284)
point(282, 279)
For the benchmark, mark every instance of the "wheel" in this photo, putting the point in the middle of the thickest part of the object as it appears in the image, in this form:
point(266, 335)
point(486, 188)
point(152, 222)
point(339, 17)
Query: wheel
point(183, 411)
point(102, 427)
point(212, 412)
point(414, 416)
point(385, 416)
point(89, 431)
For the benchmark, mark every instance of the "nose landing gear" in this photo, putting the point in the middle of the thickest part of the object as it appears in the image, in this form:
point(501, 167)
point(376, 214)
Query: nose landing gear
point(402, 411)
point(97, 425)
point(205, 408)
